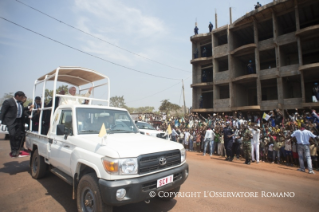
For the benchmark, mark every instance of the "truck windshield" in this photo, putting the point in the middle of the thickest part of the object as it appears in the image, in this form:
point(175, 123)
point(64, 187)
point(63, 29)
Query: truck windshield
point(143, 125)
point(90, 121)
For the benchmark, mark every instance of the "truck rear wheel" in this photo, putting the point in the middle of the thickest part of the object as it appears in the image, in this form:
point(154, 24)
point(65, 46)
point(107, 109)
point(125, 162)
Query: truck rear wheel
point(38, 166)
point(89, 195)
point(170, 197)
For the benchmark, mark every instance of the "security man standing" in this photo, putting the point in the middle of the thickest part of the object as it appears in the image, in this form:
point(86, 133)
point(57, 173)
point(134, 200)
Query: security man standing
point(12, 116)
point(247, 144)
point(228, 140)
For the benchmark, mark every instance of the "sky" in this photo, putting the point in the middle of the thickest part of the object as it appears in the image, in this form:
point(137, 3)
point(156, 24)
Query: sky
point(158, 30)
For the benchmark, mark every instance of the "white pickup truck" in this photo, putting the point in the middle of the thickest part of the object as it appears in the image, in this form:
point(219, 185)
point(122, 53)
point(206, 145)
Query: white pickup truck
point(118, 168)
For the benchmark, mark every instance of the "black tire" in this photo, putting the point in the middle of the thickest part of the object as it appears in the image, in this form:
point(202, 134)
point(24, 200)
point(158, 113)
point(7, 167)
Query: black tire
point(88, 197)
point(38, 166)
point(170, 197)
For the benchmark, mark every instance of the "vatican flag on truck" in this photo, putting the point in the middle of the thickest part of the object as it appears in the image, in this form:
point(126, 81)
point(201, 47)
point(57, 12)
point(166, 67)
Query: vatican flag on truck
point(103, 135)
point(102, 131)
point(169, 130)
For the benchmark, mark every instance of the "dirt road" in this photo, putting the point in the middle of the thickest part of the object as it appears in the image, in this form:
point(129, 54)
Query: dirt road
point(209, 177)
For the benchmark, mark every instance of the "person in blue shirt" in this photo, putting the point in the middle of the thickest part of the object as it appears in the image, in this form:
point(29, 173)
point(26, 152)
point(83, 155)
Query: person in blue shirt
point(196, 30)
point(210, 26)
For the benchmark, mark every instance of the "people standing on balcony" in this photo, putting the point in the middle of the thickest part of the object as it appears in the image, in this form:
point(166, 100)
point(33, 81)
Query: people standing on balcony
point(204, 77)
point(315, 93)
point(210, 26)
point(250, 68)
point(201, 102)
point(257, 5)
point(196, 30)
point(196, 53)
point(204, 53)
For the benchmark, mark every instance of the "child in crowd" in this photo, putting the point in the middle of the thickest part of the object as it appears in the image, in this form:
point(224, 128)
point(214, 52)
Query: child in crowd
point(270, 152)
point(198, 139)
point(288, 152)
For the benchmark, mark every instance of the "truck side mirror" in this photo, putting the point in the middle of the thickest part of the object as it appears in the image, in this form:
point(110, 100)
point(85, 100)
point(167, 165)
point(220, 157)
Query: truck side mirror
point(60, 129)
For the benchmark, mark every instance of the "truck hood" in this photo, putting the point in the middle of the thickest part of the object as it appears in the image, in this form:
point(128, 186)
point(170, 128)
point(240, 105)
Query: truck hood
point(132, 145)
point(151, 132)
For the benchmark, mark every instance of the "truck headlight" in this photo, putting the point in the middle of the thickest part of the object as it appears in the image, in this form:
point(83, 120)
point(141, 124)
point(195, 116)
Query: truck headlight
point(183, 155)
point(120, 166)
point(128, 166)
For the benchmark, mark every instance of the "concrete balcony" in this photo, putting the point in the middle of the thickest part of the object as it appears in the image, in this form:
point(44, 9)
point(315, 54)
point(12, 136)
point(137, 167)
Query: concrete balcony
point(308, 31)
point(289, 70)
point(245, 78)
point(199, 37)
point(202, 84)
point(309, 67)
point(292, 103)
point(269, 73)
point(201, 60)
point(245, 49)
point(222, 105)
point(269, 105)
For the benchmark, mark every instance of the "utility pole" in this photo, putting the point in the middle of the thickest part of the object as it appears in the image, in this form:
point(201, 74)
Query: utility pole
point(184, 98)
point(230, 16)
point(216, 19)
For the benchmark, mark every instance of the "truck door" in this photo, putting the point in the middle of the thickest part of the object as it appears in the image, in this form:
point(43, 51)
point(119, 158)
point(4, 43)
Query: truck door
point(62, 146)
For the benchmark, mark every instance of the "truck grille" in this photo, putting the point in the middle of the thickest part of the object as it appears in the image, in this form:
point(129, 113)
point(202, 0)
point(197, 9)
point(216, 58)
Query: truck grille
point(151, 162)
point(153, 184)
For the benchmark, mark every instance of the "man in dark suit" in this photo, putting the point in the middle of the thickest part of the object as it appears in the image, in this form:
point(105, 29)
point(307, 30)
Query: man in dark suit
point(12, 116)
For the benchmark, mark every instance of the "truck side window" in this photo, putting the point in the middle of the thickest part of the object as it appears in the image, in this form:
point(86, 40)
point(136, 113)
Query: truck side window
point(66, 119)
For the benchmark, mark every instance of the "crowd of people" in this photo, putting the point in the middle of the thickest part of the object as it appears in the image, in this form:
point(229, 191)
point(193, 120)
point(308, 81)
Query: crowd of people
point(276, 137)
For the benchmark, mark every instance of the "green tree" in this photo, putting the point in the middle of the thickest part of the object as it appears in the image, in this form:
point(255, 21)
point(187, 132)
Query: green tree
point(146, 109)
point(118, 101)
point(6, 96)
point(167, 106)
point(49, 93)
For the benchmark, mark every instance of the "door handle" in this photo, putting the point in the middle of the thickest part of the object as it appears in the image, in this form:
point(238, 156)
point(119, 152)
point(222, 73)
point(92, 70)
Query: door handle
point(66, 146)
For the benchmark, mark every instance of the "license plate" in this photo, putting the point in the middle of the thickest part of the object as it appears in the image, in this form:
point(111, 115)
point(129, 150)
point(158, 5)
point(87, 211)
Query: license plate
point(164, 181)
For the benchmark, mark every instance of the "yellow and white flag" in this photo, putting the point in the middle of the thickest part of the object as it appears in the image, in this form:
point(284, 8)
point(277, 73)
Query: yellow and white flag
point(266, 116)
point(102, 131)
point(169, 130)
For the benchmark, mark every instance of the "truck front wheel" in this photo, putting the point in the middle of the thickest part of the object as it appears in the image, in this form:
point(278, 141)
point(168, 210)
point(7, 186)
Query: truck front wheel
point(38, 166)
point(89, 195)
point(171, 196)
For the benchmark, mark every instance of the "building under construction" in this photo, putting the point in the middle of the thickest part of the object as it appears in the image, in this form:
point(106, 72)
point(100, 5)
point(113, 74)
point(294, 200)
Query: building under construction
point(282, 41)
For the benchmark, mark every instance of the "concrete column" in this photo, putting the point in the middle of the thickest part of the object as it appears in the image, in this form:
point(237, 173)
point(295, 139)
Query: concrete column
point(280, 92)
point(257, 62)
point(300, 53)
point(297, 16)
point(277, 50)
point(303, 92)
point(232, 95)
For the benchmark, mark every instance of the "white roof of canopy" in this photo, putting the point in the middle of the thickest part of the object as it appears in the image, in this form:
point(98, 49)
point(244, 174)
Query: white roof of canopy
point(75, 75)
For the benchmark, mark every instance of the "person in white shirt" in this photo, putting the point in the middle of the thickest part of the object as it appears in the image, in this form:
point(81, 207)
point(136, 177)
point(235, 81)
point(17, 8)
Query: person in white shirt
point(302, 136)
point(186, 139)
point(209, 138)
point(255, 143)
point(72, 92)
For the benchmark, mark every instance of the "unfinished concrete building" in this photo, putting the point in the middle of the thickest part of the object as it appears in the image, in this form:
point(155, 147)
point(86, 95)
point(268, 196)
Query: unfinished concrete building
point(282, 41)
